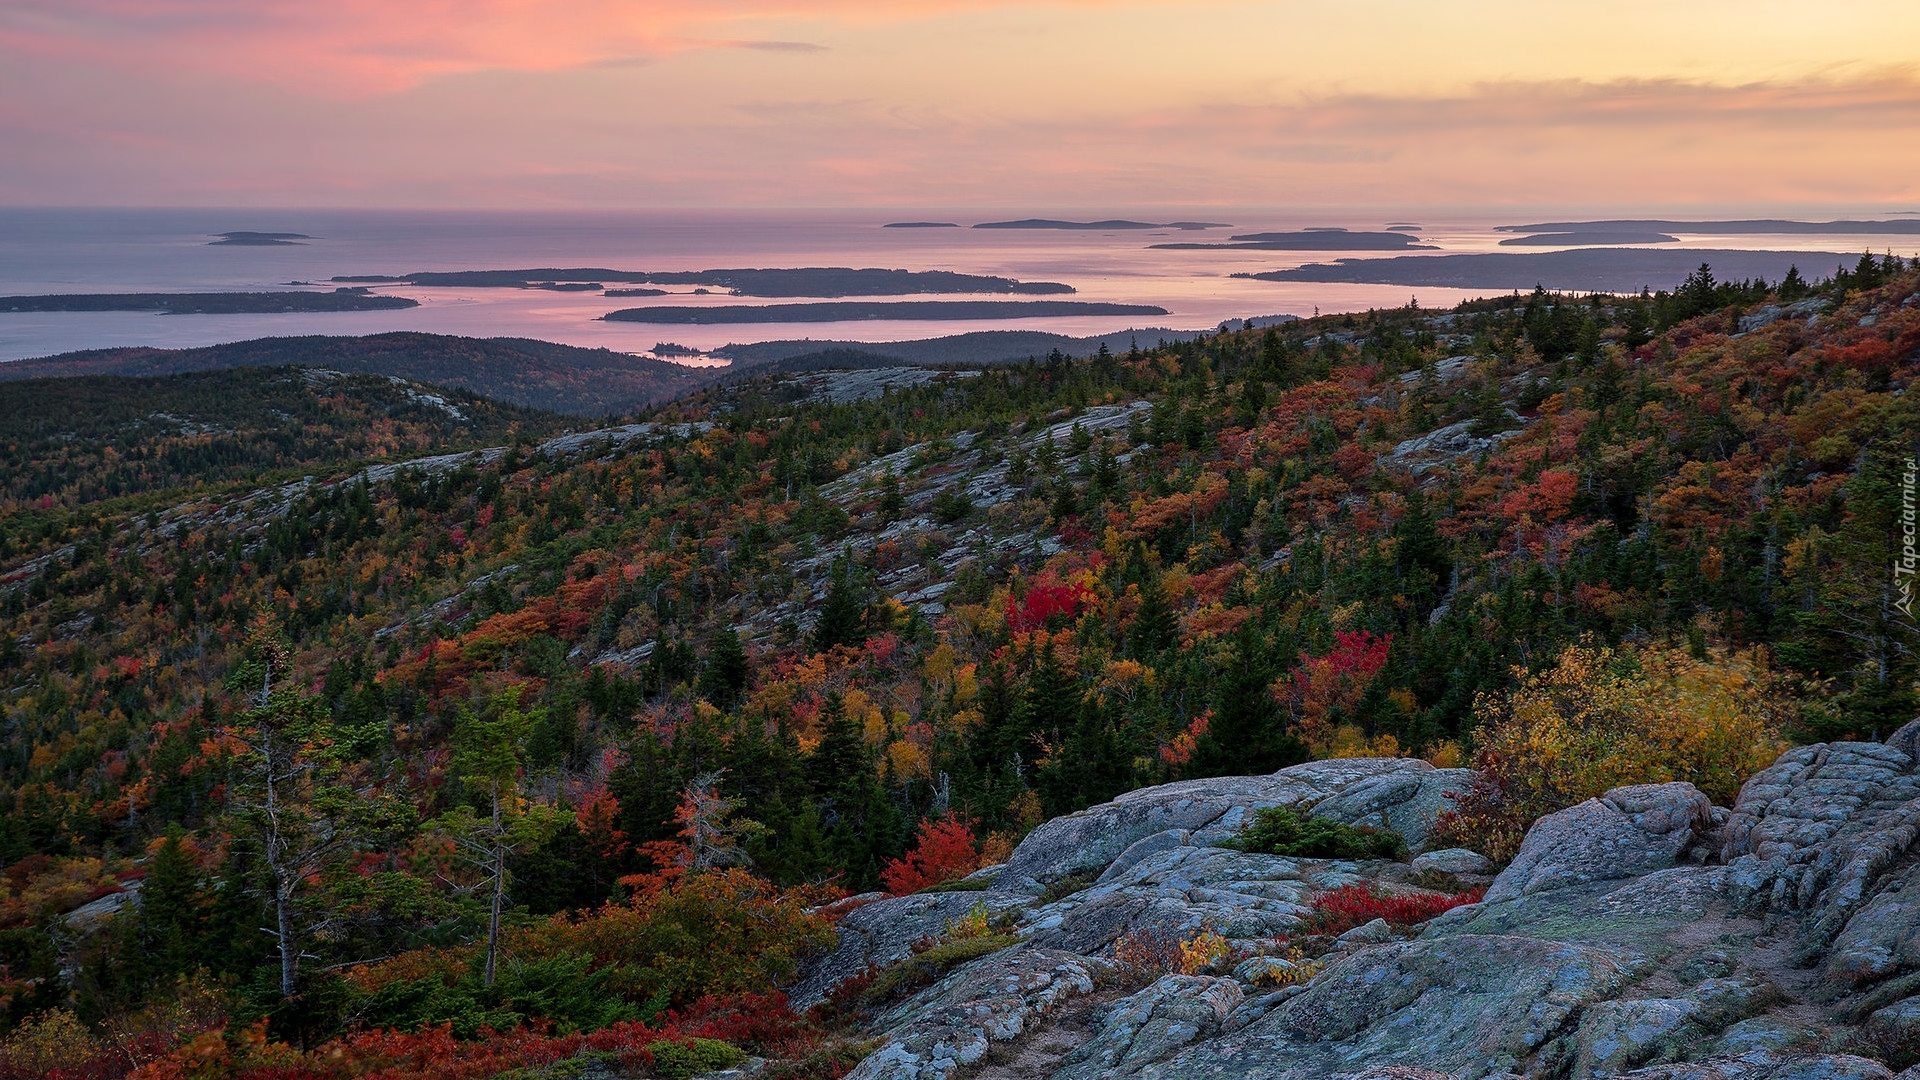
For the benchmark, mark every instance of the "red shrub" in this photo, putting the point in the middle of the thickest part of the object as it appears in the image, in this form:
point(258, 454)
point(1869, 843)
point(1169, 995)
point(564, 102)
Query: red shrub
point(1344, 908)
point(945, 851)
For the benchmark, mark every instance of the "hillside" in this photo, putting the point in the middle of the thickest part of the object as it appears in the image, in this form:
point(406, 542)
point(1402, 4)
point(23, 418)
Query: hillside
point(661, 695)
point(75, 442)
point(534, 374)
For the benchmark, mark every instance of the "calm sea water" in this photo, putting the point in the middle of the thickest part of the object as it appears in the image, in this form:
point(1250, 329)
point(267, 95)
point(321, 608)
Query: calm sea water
point(48, 251)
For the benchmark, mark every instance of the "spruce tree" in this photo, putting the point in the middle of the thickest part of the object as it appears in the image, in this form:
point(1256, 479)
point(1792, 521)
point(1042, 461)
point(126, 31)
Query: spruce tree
point(1155, 627)
point(725, 675)
point(841, 612)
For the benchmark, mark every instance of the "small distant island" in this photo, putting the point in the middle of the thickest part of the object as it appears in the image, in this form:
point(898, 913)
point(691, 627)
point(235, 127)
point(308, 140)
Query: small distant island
point(920, 225)
point(218, 303)
point(827, 281)
point(1597, 238)
point(258, 239)
point(636, 292)
point(856, 311)
point(566, 286)
point(1101, 226)
point(1322, 239)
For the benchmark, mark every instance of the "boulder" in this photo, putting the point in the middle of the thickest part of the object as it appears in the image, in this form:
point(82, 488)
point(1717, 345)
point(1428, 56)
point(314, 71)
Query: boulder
point(1152, 1024)
point(1625, 833)
point(1768, 1065)
point(1456, 861)
point(1176, 891)
point(1210, 810)
point(878, 934)
point(953, 1022)
point(1467, 1004)
point(1407, 801)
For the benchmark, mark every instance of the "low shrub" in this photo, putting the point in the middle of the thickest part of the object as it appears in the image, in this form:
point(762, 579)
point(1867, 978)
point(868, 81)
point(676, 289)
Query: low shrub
point(1145, 954)
point(926, 968)
point(677, 1060)
point(961, 885)
point(1342, 909)
point(1067, 886)
point(1282, 830)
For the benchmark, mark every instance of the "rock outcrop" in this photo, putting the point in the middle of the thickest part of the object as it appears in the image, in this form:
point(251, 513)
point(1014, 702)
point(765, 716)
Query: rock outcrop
point(1644, 934)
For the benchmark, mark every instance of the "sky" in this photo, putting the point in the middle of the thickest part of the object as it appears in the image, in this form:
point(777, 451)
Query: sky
point(1709, 106)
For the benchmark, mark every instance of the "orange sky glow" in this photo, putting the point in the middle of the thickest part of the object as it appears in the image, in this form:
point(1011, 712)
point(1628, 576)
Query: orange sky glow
point(1710, 104)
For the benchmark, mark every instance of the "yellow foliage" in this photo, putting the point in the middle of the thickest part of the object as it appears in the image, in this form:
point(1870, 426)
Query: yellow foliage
point(1446, 755)
point(1202, 951)
point(1350, 742)
point(1598, 720)
point(45, 1042)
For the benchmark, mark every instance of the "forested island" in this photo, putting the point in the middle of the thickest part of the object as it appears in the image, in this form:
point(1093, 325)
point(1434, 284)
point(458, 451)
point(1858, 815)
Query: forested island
point(805, 281)
point(1757, 225)
point(855, 311)
point(214, 303)
point(1108, 225)
point(1620, 270)
point(1314, 240)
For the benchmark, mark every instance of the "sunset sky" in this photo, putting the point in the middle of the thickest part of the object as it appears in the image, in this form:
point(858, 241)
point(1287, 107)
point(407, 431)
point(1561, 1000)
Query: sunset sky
point(1700, 105)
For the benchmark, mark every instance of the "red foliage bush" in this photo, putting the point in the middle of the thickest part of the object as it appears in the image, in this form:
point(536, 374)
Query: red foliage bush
point(762, 1022)
point(945, 850)
point(1349, 906)
point(1045, 600)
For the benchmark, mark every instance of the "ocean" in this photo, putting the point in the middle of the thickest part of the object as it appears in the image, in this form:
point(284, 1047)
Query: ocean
point(68, 251)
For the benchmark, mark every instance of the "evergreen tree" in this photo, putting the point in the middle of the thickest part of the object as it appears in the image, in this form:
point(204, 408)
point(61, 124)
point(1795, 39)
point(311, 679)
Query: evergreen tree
point(862, 829)
point(842, 614)
point(1248, 733)
point(169, 921)
point(725, 675)
point(1155, 627)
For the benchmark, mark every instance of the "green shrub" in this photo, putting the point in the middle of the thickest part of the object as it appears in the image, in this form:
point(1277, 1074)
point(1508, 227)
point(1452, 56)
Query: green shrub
point(961, 885)
point(679, 1060)
point(925, 968)
point(1282, 830)
point(1067, 886)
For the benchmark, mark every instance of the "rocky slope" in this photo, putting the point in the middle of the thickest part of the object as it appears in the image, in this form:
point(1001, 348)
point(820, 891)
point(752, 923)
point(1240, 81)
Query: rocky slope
point(1645, 933)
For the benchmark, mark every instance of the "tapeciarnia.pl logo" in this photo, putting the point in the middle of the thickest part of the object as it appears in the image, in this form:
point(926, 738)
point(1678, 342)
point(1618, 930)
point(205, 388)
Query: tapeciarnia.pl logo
point(1908, 562)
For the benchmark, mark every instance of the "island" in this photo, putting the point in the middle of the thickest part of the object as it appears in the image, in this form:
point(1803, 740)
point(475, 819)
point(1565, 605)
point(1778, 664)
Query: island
point(1597, 238)
point(826, 281)
point(1311, 240)
point(636, 292)
point(1614, 270)
point(258, 239)
point(214, 303)
point(1101, 226)
point(857, 311)
point(920, 225)
point(1757, 225)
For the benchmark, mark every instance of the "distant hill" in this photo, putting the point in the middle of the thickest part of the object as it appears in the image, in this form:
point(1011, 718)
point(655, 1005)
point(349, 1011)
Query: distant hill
point(97, 437)
point(536, 374)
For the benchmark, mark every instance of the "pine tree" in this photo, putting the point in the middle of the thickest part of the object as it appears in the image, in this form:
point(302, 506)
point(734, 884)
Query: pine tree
point(490, 752)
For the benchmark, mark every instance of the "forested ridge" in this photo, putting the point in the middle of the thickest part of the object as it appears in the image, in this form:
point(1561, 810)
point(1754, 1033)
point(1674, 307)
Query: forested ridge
point(564, 743)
